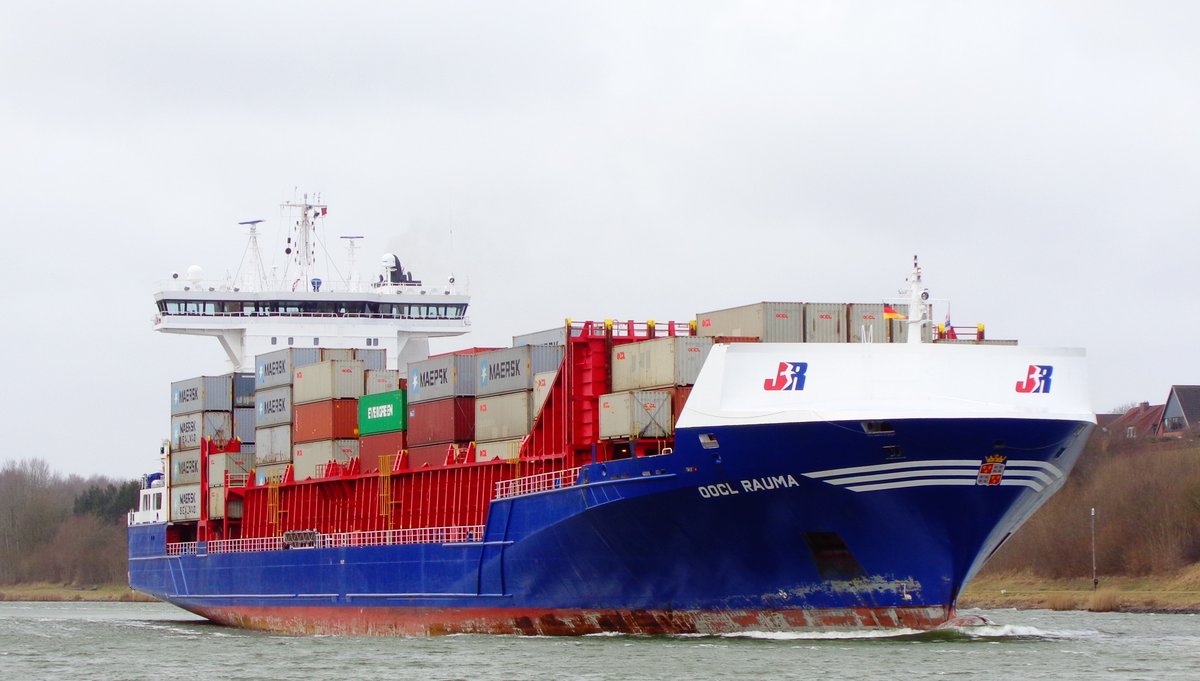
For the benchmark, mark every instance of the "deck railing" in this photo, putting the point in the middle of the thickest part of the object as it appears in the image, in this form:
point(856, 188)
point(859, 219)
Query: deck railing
point(541, 482)
point(416, 535)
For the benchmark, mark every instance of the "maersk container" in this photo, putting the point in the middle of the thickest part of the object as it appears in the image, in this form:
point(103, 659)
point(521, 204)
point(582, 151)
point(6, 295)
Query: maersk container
point(659, 363)
point(636, 413)
point(503, 450)
point(371, 447)
point(825, 323)
point(441, 377)
point(244, 423)
point(216, 504)
point(273, 473)
point(448, 420)
point(373, 359)
point(308, 458)
point(543, 381)
point(188, 430)
point(769, 322)
point(324, 420)
point(555, 336)
point(500, 417)
point(381, 381)
point(235, 463)
point(512, 369)
point(273, 369)
point(382, 413)
point(333, 379)
point(203, 393)
point(273, 406)
point(185, 502)
point(183, 467)
point(243, 390)
point(273, 445)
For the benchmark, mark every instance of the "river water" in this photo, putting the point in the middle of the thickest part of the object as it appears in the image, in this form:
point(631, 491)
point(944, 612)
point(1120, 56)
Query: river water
point(158, 641)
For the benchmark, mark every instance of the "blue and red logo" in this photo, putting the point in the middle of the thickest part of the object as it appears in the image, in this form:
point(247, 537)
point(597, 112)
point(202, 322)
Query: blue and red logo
point(1038, 379)
point(789, 376)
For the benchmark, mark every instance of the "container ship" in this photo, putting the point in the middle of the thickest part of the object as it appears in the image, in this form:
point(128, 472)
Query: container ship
point(771, 467)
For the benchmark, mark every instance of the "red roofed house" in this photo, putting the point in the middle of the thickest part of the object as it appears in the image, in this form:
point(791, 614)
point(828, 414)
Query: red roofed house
point(1139, 423)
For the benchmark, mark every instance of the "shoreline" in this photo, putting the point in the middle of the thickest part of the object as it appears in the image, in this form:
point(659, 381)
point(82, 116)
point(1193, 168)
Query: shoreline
point(52, 593)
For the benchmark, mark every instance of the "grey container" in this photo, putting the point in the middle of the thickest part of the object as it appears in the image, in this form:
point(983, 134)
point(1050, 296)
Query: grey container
point(440, 377)
point(557, 336)
point(867, 324)
point(512, 369)
point(183, 467)
point(503, 450)
point(244, 423)
point(636, 413)
point(273, 369)
point(234, 463)
point(273, 445)
point(216, 504)
point(825, 323)
point(185, 502)
point(328, 354)
point(500, 417)
point(381, 381)
point(659, 363)
point(187, 430)
point(273, 406)
point(243, 390)
point(203, 393)
point(335, 379)
point(373, 359)
point(307, 458)
point(769, 322)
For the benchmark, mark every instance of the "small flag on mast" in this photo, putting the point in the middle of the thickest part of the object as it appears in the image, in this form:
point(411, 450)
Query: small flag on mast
point(890, 312)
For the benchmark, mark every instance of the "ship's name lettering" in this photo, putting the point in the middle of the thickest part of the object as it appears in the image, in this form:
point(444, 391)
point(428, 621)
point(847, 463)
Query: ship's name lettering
point(380, 412)
point(506, 369)
point(433, 377)
point(725, 489)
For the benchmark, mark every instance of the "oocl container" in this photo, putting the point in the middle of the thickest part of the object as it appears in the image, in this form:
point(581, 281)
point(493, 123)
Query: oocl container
point(770, 322)
point(273, 445)
point(273, 406)
point(500, 417)
point(825, 323)
point(512, 369)
point(636, 413)
point(273, 369)
point(185, 502)
point(183, 467)
point(336, 353)
point(234, 463)
point(381, 381)
point(216, 504)
point(325, 420)
point(188, 430)
point(308, 458)
point(382, 413)
point(373, 359)
point(543, 381)
point(505, 450)
point(203, 393)
point(658, 363)
point(441, 377)
point(448, 420)
point(334, 379)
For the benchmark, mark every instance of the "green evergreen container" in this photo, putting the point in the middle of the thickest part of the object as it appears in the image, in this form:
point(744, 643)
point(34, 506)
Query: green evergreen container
point(382, 413)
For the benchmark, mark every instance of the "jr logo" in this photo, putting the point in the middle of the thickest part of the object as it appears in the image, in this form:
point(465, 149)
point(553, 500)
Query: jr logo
point(1038, 380)
point(790, 376)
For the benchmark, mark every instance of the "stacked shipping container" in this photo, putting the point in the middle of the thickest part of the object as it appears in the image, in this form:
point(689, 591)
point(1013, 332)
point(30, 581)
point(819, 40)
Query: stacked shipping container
point(205, 408)
point(325, 415)
point(505, 402)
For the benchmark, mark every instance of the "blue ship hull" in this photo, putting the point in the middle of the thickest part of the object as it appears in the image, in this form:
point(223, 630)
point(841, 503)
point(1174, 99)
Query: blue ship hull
point(748, 527)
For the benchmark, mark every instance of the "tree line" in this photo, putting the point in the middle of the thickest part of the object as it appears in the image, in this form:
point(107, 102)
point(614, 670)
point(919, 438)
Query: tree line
point(66, 530)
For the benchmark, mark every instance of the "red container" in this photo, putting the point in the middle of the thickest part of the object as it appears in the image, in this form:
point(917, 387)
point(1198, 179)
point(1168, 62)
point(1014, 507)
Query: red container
point(371, 447)
point(428, 456)
point(448, 420)
point(679, 397)
point(325, 420)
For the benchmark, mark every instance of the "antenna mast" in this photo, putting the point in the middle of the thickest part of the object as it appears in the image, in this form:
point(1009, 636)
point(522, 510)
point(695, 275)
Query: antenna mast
point(352, 282)
point(303, 247)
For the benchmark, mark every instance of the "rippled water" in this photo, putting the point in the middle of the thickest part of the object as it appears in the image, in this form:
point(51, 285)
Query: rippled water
point(157, 641)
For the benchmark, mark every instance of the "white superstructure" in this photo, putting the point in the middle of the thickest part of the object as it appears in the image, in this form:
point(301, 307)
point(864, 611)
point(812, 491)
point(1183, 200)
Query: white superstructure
point(254, 312)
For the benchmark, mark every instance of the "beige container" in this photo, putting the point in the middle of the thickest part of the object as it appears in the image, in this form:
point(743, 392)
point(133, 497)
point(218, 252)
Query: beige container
point(501, 417)
point(769, 322)
point(183, 467)
point(382, 381)
point(636, 413)
point(310, 457)
point(188, 430)
point(542, 382)
point(273, 445)
point(235, 463)
point(185, 502)
point(659, 363)
point(329, 380)
point(503, 450)
point(216, 504)
point(265, 475)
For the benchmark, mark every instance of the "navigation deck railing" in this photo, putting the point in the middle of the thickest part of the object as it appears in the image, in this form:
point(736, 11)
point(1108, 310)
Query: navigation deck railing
point(416, 535)
point(541, 482)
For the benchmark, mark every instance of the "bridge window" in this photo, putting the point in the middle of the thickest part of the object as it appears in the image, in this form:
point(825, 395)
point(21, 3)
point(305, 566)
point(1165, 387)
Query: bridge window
point(274, 340)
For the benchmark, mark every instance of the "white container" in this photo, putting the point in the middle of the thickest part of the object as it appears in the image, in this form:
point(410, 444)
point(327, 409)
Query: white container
point(273, 473)
point(440, 377)
point(273, 406)
point(769, 322)
point(183, 467)
point(381, 381)
point(636, 414)
point(307, 458)
point(334, 379)
point(187, 430)
point(203, 393)
point(503, 450)
point(273, 445)
point(273, 369)
point(501, 417)
point(512, 369)
point(659, 363)
point(185, 502)
point(542, 382)
point(216, 504)
point(235, 463)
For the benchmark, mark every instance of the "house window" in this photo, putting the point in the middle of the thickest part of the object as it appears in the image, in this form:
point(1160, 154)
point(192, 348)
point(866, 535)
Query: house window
point(1130, 433)
point(1174, 423)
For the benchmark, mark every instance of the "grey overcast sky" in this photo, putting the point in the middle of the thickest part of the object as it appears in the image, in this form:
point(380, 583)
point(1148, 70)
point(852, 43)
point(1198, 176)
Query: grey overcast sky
point(592, 160)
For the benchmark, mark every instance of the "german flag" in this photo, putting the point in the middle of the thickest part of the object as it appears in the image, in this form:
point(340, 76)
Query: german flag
point(889, 312)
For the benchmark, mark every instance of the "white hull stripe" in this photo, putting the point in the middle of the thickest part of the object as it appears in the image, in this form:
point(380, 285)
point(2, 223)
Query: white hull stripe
point(970, 473)
point(937, 473)
point(943, 482)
